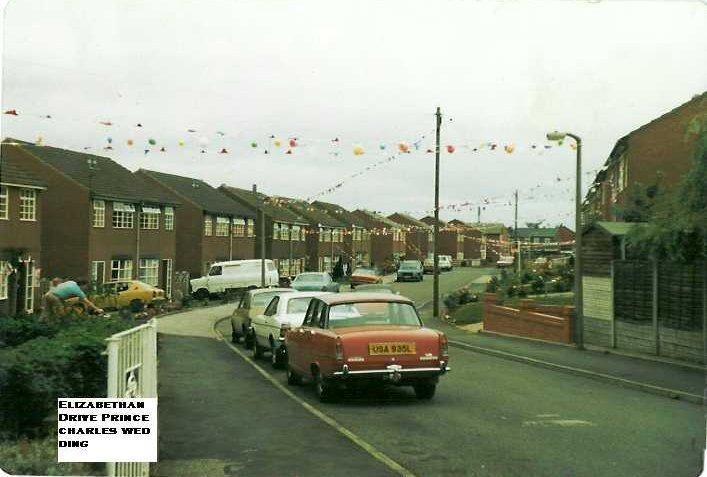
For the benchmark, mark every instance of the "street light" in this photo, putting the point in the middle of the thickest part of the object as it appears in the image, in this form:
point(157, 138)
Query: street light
point(578, 302)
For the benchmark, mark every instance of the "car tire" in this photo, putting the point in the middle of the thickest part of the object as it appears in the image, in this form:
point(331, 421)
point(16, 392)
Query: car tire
point(425, 391)
point(323, 389)
point(293, 378)
point(257, 349)
point(235, 336)
point(137, 305)
point(202, 294)
point(278, 357)
point(248, 339)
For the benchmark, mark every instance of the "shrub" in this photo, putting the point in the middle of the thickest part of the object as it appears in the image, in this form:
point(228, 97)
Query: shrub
point(39, 457)
point(493, 285)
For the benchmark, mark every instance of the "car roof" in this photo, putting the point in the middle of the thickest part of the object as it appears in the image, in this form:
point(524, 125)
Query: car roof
point(353, 297)
point(257, 291)
point(238, 262)
point(293, 295)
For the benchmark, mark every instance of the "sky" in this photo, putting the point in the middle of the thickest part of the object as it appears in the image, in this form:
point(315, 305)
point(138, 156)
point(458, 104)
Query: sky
point(367, 73)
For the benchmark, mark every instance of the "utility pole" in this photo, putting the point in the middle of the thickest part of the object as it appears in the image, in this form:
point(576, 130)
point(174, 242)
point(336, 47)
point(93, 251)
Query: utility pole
point(435, 287)
point(515, 232)
point(262, 236)
point(478, 215)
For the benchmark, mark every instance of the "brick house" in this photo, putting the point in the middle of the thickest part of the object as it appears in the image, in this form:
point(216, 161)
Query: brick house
point(357, 237)
point(658, 153)
point(388, 238)
point(210, 226)
point(21, 193)
point(285, 231)
point(471, 242)
point(419, 236)
point(543, 238)
point(99, 221)
point(494, 240)
point(325, 237)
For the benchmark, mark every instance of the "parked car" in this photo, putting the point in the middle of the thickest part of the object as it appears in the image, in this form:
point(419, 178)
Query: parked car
point(315, 281)
point(363, 275)
point(445, 264)
point(234, 275)
point(410, 270)
point(285, 310)
point(252, 303)
point(505, 262)
point(349, 339)
point(374, 288)
point(116, 294)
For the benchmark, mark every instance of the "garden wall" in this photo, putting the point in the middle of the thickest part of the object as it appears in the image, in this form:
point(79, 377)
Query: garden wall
point(531, 320)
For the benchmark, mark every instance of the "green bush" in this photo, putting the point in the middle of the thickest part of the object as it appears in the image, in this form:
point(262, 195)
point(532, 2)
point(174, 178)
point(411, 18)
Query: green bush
point(458, 298)
point(493, 285)
point(38, 457)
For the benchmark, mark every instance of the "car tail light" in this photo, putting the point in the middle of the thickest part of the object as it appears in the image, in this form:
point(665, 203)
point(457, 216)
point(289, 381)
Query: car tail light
point(284, 328)
point(443, 346)
point(339, 350)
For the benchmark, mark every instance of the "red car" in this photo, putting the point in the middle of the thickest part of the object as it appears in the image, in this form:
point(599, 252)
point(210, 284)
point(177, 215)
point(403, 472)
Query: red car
point(348, 339)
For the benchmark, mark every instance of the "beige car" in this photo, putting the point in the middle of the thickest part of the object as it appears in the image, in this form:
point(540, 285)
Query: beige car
point(253, 303)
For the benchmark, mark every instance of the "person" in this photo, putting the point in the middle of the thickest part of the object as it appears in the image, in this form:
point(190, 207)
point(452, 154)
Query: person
point(60, 291)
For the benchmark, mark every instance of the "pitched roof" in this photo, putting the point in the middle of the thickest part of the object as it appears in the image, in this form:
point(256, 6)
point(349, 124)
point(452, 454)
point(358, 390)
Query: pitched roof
point(201, 194)
point(340, 213)
point(376, 221)
point(105, 179)
point(488, 228)
point(405, 219)
point(616, 228)
point(525, 232)
point(13, 173)
point(261, 201)
point(313, 214)
point(429, 220)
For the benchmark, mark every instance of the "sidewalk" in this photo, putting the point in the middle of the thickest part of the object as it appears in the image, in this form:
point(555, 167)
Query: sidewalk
point(652, 376)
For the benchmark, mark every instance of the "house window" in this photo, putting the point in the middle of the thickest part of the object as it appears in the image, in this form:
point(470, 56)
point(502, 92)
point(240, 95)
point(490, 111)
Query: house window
point(123, 215)
point(284, 232)
point(121, 269)
point(207, 226)
point(150, 218)
point(169, 218)
point(238, 228)
point(547, 239)
point(276, 231)
point(29, 287)
point(98, 272)
point(222, 224)
point(28, 204)
point(250, 225)
point(295, 233)
point(99, 213)
point(4, 203)
point(149, 271)
point(283, 267)
point(4, 279)
point(303, 235)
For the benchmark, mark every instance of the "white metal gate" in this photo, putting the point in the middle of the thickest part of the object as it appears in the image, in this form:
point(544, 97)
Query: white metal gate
point(132, 372)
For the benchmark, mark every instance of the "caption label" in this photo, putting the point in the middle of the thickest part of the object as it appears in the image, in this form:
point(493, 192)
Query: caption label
point(107, 430)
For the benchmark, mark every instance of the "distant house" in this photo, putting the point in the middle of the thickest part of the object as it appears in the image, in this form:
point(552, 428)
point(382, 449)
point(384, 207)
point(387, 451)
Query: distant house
point(419, 236)
point(494, 240)
point(656, 155)
point(99, 221)
point(210, 226)
point(388, 238)
point(542, 240)
point(357, 237)
point(285, 231)
point(325, 240)
point(21, 196)
point(429, 220)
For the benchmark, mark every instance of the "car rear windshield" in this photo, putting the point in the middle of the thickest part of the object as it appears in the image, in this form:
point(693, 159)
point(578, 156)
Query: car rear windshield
point(310, 277)
point(298, 305)
point(409, 265)
point(371, 314)
point(262, 299)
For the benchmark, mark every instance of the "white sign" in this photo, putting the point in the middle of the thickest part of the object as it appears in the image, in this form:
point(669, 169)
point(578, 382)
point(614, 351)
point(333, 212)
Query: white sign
point(107, 430)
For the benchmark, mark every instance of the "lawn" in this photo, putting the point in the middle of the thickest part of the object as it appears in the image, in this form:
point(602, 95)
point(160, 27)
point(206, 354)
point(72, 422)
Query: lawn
point(473, 312)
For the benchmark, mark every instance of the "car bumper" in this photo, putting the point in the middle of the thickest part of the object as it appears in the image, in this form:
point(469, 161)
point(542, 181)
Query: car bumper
point(402, 278)
point(392, 373)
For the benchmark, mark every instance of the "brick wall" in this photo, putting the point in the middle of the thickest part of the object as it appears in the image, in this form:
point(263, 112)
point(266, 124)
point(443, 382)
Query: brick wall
point(531, 320)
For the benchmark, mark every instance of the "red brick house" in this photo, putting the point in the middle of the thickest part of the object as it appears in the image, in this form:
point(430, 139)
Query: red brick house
point(210, 226)
point(419, 236)
point(388, 238)
point(21, 195)
point(494, 241)
point(325, 237)
point(658, 153)
point(99, 221)
point(357, 237)
point(285, 231)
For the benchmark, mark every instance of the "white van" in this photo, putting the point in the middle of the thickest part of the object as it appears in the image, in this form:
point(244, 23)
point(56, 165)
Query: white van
point(234, 275)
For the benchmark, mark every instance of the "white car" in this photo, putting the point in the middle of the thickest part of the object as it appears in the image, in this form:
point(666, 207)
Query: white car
point(445, 263)
point(268, 329)
point(234, 275)
point(252, 304)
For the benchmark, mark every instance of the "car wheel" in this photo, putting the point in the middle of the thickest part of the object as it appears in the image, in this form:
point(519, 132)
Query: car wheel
point(248, 340)
point(136, 306)
point(257, 349)
point(293, 379)
point(425, 390)
point(324, 389)
point(201, 294)
point(278, 356)
point(235, 335)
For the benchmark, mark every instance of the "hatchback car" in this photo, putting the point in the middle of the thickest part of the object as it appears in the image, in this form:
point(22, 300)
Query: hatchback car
point(365, 275)
point(315, 281)
point(132, 294)
point(252, 303)
point(348, 339)
point(410, 270)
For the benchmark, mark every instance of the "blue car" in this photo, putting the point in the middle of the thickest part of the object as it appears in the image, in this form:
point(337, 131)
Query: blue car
point(315, 281)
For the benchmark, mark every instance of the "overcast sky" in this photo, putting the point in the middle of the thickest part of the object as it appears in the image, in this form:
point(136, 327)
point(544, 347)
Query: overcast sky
point(366, 72)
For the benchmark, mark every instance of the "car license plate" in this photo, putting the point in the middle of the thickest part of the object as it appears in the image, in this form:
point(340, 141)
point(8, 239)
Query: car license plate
point(391, 348)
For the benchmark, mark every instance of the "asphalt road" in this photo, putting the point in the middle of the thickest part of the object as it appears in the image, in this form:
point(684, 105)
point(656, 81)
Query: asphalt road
point(491, 417)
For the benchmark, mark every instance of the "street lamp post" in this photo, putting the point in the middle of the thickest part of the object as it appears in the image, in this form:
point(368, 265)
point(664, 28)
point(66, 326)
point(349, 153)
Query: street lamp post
point(578, 292)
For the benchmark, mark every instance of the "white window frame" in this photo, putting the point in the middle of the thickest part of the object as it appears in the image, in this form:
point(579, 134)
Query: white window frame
point(222, 226)
point(149, 271)
point(30, 272)
point(94, 271)
point(284, 232)
point(4, 202)
point(28, 205)
point(169, 218)
point(123, 216)
point(239, 228)
point(4, 279)
point(169, 270)
point(123, 269)
point(208, 226)
point(295, 232)
point(150, 218)
point(276, 231)
point(99, 213)
point(250, 227)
